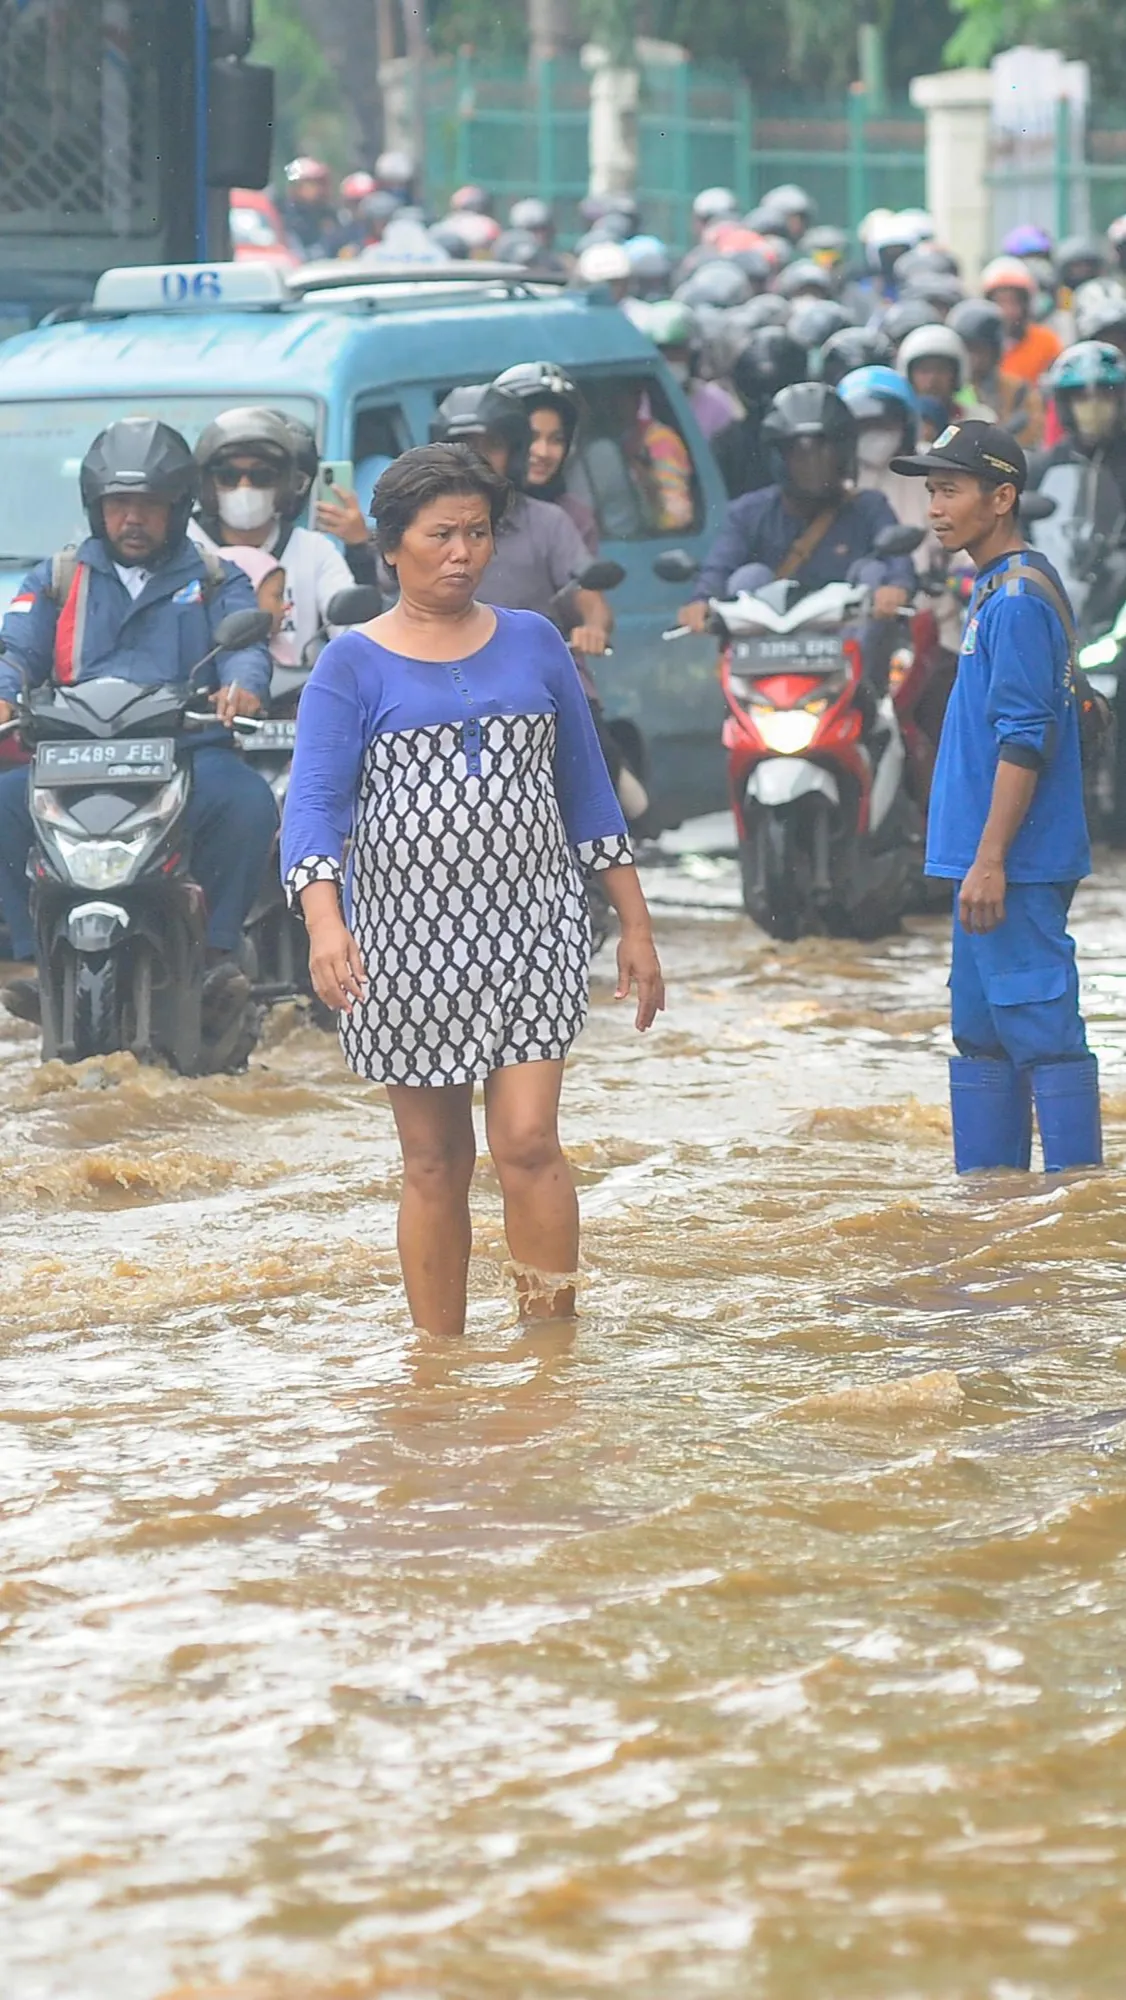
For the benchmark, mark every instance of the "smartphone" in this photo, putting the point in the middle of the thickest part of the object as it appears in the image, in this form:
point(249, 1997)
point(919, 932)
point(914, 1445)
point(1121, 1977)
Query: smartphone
point(332, 473)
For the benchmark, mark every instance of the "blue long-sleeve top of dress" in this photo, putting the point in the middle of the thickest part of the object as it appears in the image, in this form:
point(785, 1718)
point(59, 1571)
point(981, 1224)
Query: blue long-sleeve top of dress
point(359, 690)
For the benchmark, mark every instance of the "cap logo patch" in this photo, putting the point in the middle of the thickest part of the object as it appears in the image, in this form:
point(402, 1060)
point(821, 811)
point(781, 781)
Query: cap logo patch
point(1000, 464)
point(948, 436)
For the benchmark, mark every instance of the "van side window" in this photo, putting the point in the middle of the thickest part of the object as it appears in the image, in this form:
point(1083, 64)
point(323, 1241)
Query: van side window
point(631, 463)
point(379, 434)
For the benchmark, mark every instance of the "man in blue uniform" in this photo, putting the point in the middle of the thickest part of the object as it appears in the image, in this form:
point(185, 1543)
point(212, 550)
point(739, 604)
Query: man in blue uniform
point(1007, 824)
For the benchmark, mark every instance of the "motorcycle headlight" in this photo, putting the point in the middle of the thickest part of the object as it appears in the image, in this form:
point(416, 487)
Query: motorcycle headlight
point(786, 731)
point(1100, 653)
point(48, 807)
point(157, 812)
point(100, 864)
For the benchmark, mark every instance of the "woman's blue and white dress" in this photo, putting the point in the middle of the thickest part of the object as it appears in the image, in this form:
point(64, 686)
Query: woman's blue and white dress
point(475, 795)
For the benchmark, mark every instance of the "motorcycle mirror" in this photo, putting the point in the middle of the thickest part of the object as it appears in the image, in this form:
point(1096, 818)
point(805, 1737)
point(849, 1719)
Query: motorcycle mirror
point(897, 541)
point(243, 628)
point(355, 606)
point(1036, 506)
point(675, 566)
point(600, 576)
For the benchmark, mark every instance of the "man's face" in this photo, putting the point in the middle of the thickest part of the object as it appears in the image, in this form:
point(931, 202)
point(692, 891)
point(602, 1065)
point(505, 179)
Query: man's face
point(136, 526)
point(932, 376)
point(1014, 307)
point(963, 512)
point(812, 469)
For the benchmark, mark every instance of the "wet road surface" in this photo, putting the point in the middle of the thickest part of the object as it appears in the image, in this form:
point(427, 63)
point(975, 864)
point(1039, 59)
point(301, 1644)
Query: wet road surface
point(767, 1638)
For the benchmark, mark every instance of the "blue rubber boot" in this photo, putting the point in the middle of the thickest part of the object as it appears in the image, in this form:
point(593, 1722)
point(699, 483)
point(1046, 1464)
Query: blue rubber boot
point(991, 1107)
point(1067, 1112)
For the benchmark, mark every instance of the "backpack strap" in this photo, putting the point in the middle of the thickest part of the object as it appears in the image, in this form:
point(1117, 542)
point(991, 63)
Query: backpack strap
point(216, 573)
point(64, 567)
point(1095, 717)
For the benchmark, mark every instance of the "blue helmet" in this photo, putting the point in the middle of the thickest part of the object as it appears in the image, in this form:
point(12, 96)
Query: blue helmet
point(869, 392)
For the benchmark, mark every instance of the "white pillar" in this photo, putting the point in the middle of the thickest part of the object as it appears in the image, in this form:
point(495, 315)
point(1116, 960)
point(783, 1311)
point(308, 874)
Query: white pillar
point(613, 123)
point(958, 105)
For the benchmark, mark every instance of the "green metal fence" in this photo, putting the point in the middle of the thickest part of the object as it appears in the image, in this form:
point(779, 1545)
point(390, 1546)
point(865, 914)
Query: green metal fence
point(522, 129)
point(1065, 192)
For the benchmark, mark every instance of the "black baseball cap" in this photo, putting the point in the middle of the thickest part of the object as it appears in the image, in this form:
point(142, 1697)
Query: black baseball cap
point(986, 450)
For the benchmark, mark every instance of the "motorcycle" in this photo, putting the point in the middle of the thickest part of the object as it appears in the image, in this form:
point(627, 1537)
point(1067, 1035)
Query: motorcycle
point(276, 945)
point(1075, 517)
point(830, 829)
point(120, 924)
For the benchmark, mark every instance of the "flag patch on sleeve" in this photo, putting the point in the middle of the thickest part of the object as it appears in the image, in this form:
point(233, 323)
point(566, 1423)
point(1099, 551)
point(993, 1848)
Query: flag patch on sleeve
point(24, 602)
point(190, 593)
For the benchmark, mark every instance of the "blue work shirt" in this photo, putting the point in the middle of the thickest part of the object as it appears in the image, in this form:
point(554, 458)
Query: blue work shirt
point(159, 636)
point(1014, 692)
point(762, 527)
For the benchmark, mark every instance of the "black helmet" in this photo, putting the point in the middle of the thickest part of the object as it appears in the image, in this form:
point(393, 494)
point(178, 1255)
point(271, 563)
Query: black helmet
point(904, 318)
point(540, 382)
point(854, 347)
point(979, 322)
point(516, 246)
point(803, 275)
point(926, 258)
point(765, 309)
point(1075, 252)
point(825, 242)
point(769, 360)
point(812, 410)
point(140, 455)
point(717, 283)
point(938, 290)
point(790, 199)
point(530, 214)
point(377, 208)
point(814, 321)
point(479, 410)
point(449, 238)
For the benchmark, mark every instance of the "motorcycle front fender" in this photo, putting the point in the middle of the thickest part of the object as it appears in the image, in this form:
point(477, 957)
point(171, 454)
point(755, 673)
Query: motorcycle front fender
point(779, 781)
point(96, 927)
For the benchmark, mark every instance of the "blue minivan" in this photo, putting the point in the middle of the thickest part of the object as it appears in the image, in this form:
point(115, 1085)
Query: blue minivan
point(363, 355)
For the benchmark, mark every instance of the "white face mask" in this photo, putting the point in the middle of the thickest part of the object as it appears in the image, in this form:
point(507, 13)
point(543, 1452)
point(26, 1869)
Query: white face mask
point(875, 449)
point(244, 507)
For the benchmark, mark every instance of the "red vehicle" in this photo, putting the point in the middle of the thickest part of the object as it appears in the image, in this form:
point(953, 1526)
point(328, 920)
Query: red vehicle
point(828, 781)
point(257, 231)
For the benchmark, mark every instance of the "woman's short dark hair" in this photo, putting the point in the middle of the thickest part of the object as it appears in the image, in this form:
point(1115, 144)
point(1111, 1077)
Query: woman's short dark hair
point(427, 473)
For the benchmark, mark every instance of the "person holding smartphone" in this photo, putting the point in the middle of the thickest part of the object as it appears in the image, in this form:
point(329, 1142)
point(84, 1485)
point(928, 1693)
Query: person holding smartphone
point(251, 487)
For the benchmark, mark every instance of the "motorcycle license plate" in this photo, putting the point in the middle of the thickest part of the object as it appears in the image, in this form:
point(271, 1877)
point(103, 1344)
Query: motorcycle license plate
point(133, 760)
point(810, 655)
point(271, 736)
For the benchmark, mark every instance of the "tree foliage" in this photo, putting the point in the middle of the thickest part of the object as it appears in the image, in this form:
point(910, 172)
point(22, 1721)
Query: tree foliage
point(1093, 31)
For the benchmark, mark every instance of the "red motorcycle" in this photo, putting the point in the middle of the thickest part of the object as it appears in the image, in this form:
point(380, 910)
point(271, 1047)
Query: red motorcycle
point(828, 780)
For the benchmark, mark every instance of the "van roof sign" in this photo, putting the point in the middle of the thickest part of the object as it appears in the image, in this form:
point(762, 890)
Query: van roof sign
point(188, 287)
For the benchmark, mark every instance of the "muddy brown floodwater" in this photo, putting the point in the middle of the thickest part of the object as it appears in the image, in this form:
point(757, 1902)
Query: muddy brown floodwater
point(767, 1639)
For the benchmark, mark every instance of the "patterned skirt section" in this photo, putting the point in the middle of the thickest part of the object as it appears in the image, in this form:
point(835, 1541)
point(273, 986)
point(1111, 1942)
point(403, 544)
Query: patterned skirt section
point(467, 905)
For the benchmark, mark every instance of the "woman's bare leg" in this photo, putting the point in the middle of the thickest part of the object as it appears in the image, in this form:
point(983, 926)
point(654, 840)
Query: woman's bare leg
point(435, 1129)
point(541, 1213)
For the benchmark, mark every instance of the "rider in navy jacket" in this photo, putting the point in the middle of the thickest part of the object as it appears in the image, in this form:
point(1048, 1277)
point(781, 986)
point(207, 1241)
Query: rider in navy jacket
point(140, 602)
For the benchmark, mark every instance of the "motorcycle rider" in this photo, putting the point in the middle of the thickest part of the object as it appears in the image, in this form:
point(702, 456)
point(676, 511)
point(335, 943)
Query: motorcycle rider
point(249, 491)
point(1017, 404)
point(308, 211)
point(1030, 348)
point(935, 363)
point(675, 333)
point(139, 601)
point(767, 361)
point(554, 410)
point(812, 525)
point(1088, 383)
point(538, 547)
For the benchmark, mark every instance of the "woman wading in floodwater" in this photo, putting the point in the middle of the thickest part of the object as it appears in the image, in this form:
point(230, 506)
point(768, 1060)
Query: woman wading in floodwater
point(454, 744)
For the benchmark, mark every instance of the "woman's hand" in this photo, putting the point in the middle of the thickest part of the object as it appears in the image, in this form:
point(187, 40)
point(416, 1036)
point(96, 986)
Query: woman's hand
point(335, 966)
point(638, 965)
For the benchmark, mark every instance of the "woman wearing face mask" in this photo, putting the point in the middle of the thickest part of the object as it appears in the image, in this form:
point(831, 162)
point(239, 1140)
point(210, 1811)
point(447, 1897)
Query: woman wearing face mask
point(248, 479)
point(1088, 384)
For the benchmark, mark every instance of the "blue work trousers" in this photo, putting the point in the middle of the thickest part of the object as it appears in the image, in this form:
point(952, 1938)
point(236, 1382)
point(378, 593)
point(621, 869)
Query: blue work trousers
point(231, 821)
point(1015, 991)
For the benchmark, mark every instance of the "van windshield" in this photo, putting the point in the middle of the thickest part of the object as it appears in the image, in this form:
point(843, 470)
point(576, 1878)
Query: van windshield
point(42, 446)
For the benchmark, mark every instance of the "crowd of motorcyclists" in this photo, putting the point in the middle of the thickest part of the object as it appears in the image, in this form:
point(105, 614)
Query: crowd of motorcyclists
point(807, 366)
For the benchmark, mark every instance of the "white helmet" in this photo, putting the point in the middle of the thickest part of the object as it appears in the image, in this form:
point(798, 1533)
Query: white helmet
point(875, 219)
point(1098, 304)
point(603, 264)
point(714, 203)
point(934, 343)
point(919, 224)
